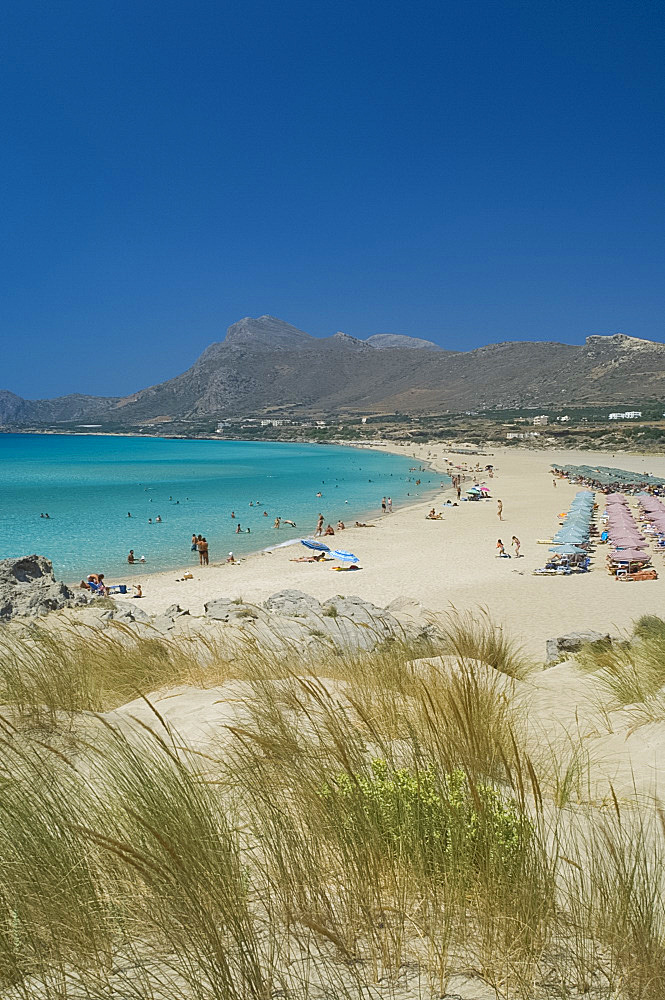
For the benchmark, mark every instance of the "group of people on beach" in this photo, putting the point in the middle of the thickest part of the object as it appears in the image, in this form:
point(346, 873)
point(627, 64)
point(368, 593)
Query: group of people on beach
point(200, 545)
point(501, 549)
point(94, 582)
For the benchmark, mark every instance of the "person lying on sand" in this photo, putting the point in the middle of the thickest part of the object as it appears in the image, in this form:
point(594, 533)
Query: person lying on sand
point(310, 559)
point(361, 524)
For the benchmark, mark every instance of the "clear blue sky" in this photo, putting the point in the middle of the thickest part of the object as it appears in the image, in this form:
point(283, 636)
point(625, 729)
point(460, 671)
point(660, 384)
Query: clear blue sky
point(467, 171)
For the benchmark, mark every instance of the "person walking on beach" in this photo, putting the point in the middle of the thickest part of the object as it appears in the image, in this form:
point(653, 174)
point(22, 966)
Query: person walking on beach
point(502, 550)
point(459, 491)
point(516, 545)
point(319, 526)
point(383, 505)
point(499, 509)
point(390, 505)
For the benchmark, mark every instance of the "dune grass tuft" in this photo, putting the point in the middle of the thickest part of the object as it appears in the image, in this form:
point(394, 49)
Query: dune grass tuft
point(371, 826)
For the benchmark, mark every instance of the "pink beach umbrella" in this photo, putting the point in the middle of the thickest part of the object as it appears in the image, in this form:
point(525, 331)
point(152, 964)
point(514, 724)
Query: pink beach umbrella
point(629, 555)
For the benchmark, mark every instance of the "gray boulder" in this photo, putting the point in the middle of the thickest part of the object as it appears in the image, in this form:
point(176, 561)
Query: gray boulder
point(559, 648)
point(128, 615)
point(225, 610)
point(28, 588)
point(293, 603)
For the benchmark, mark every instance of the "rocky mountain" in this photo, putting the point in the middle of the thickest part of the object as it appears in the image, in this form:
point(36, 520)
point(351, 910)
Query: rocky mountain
point(265, 365)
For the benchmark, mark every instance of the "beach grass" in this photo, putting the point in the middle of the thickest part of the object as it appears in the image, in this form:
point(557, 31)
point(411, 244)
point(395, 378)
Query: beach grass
point(632, 671)
point(373, 825)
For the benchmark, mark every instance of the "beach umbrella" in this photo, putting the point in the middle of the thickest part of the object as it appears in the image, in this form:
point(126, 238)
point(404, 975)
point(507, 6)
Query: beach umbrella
point(568, 550)
point(319, 546)
point(629, 555)
point(344, 556)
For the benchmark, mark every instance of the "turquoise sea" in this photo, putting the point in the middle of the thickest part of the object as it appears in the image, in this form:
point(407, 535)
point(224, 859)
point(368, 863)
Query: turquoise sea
point(88, 484)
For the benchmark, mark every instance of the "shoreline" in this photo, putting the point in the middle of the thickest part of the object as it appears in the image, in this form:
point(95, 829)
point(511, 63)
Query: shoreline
point(268, 550)
point(408, 559)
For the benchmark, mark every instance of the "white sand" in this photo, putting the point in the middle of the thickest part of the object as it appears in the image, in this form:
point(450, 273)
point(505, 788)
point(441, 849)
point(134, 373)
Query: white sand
point(452, 561)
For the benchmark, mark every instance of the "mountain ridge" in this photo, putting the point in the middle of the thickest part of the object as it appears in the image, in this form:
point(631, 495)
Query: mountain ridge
point(265, 365)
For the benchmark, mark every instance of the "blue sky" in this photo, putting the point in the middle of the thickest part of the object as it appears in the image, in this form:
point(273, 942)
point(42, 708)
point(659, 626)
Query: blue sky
point(464, 171)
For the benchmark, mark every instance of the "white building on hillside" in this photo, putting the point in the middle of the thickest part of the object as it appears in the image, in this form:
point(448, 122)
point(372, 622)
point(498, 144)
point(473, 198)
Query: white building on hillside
point(627, 415)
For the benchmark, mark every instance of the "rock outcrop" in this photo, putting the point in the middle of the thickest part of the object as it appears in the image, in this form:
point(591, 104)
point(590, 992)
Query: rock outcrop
point(29, 588)
point(292, 618)
point(562, 646)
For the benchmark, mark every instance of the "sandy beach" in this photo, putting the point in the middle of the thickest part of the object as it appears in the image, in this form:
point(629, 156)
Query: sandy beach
point(452, 561)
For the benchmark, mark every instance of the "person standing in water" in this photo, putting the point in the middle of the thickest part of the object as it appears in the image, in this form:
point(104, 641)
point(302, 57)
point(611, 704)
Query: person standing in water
point(383, 505)
point(203, 552)
point(319, 525)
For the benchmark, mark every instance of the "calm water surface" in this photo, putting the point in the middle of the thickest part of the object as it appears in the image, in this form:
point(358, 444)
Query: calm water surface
point(88, 485)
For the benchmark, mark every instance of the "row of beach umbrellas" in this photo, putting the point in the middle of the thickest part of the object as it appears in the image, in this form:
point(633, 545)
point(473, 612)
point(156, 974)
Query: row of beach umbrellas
point(573, 536)
point(628, 542)
point(606, 475)
point(653, 510)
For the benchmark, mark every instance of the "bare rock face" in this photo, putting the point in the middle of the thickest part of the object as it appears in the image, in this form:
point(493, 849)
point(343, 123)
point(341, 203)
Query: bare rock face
point(28, 588)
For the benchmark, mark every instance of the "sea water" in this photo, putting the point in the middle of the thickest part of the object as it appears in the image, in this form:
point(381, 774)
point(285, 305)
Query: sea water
point(89, 484)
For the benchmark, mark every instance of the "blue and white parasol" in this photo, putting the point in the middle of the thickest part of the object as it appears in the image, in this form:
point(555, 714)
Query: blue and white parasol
point(319, 546)
point(344, 556)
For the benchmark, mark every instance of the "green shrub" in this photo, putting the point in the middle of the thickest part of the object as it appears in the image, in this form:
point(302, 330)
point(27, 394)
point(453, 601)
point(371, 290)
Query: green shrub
point(435, 822)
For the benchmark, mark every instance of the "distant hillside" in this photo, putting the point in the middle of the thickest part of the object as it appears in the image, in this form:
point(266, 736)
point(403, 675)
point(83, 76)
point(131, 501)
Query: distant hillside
point(267, 365)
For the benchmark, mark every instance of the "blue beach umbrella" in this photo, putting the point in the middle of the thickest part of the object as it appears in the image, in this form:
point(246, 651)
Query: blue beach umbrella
point(344, 556)
point(319, 546)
